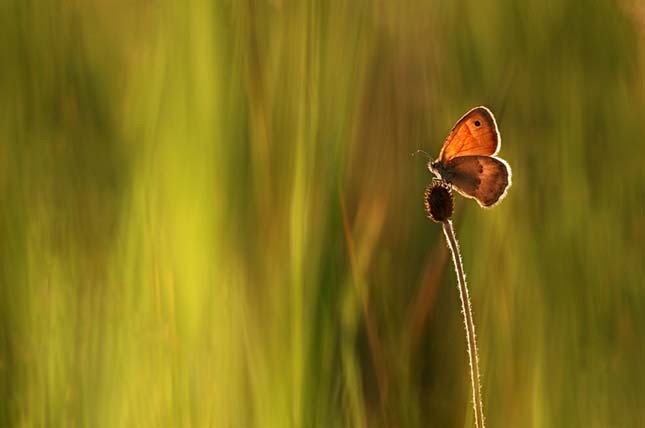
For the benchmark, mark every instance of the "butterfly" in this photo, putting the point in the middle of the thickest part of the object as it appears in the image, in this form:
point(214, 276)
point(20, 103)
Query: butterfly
point(467, 159)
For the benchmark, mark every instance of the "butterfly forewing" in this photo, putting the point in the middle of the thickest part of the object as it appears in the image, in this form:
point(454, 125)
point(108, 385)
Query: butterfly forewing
point(483, 178)
point(474, 134)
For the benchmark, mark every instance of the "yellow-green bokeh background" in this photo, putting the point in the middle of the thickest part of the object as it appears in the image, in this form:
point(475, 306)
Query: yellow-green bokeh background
point(209, 215)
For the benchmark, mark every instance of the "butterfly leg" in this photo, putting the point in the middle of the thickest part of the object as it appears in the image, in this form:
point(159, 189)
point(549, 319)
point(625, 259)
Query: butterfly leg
point(442, 182)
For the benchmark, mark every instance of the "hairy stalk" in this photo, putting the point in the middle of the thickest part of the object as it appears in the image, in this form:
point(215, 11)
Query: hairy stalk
point(473, 359)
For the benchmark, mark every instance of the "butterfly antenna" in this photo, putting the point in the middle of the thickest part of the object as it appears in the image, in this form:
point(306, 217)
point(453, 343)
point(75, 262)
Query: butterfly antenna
point(423, 152)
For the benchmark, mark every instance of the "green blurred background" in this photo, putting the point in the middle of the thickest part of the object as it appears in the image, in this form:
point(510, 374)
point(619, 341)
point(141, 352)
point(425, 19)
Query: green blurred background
point(209, 215)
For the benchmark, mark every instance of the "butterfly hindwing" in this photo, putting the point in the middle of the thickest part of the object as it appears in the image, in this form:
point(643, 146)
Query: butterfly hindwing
point(483, 178)
point(474, 134)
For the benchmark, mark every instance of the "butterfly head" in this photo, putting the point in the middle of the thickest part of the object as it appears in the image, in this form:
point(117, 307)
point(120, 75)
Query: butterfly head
point(436, 167)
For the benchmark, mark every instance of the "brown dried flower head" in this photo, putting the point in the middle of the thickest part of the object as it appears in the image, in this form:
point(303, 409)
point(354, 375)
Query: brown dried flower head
point(438, 201)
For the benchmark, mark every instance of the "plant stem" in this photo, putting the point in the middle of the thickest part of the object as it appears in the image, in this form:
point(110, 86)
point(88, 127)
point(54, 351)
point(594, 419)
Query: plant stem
point(473, 359)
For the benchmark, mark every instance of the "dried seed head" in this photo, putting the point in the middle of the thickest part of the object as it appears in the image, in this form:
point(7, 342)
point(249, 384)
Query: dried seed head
point(438, 201)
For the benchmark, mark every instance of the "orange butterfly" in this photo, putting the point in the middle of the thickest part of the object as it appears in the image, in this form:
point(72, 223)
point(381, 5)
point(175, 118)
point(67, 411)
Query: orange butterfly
point(467, 160)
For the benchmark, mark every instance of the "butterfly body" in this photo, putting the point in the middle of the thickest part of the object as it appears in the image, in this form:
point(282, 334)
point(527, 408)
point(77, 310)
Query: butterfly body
point(467, 160)
point(444, 171)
